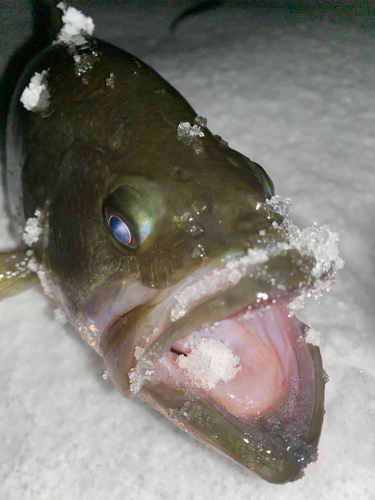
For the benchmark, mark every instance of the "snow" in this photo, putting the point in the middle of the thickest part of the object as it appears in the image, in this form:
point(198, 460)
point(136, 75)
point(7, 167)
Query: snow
point(33, 229)
point(280, 206)
point(60, 316)
point(320, 243)
point(295, 92)
point(189, 135)
point(313, 337)
point(209, 362)
point(186, 131)
point(75, 26)
point(36, 97)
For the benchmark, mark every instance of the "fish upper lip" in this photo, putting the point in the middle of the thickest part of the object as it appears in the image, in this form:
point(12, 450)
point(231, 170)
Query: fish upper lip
point(229, 283)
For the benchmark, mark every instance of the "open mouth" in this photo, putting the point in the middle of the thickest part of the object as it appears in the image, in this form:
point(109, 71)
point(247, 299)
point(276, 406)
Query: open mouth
point(240, 378)
point(246, 363)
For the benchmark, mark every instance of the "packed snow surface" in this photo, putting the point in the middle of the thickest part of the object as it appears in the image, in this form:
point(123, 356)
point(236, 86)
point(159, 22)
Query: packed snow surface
point(294, 91)
point(36, 97)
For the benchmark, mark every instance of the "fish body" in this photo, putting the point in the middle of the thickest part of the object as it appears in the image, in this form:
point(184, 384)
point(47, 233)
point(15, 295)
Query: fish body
point(168, 253)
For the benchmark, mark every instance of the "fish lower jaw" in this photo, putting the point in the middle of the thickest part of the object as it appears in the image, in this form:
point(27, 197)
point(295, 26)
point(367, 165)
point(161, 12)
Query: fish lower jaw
point(245, 363)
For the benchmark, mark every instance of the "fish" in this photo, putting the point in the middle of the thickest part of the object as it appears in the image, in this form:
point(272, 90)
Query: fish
point(167, 251)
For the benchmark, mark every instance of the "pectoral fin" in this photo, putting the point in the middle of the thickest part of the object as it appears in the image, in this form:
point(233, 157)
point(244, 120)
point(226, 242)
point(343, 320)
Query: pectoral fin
point(15, 274)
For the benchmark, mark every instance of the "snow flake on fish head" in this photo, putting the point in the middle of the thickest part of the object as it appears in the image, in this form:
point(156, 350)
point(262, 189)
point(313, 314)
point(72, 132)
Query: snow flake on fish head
point(33, 228)
point(35, 96)
point(190, 135)
point(75, 26)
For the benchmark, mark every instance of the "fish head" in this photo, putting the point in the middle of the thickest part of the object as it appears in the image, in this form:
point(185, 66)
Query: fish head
point(186, 295)
point(214, 346)
point(175, 261)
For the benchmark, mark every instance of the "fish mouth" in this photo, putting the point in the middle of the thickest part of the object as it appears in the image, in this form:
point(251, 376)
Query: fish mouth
point(248, 386)
point(245, 363)
point(223, 356)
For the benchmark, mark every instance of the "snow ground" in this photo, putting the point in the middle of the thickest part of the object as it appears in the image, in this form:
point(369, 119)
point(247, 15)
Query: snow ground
point(295, 92)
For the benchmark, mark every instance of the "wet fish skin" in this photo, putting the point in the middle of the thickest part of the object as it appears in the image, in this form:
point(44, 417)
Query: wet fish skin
point(75, 152)
point(113, 141)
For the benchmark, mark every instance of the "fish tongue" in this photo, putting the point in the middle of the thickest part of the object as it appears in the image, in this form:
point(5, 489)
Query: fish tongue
point(242, 363)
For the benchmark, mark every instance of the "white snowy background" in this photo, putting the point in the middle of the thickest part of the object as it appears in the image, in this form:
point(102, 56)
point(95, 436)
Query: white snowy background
point(295, 91)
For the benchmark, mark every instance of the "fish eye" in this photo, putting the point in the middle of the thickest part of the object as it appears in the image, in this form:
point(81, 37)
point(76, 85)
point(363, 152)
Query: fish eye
point(121, 229)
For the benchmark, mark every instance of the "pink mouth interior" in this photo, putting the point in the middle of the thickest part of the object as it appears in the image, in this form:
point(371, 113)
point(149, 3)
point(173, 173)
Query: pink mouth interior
point(254, 366)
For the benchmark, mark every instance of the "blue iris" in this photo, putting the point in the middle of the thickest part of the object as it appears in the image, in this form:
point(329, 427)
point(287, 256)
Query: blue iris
point(120, 230)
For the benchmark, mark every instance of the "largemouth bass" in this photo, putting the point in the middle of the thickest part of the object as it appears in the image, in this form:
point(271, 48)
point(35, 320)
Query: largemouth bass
point(167, 251)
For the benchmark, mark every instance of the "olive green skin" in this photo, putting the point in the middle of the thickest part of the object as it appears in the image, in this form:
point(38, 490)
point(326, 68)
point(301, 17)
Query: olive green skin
point(96, 139)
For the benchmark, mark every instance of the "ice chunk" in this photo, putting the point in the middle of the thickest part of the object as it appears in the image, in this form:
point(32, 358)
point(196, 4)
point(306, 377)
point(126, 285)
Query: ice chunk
point(320, 242)
point(313, 337)
point(138, 352)
point(209, 362)
point(76, 26)
point(143, 371)
point(190, 135)
point(33, 229)
point(280, 206)
point(201, 121)
point(36, 97)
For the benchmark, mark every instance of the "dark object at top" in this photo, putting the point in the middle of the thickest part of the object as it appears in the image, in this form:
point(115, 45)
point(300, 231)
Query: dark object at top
point(198, 8)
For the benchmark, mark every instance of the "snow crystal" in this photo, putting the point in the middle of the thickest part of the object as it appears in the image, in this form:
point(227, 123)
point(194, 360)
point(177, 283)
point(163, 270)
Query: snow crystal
point(190, 135)
point(186, 131)
point(45, 280)
point(138, 352)
point(318, 242)
point(33, 229)
point(35, 96)
point(138, 375)
point(280, 206)
point(313, 337)
point(76, 26)
point(60, 316)
point(33, 265)
point(202, 122)
point(209, 362)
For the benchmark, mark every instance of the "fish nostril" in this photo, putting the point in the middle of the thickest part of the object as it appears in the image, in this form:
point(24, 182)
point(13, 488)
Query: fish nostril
point(196, 231)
